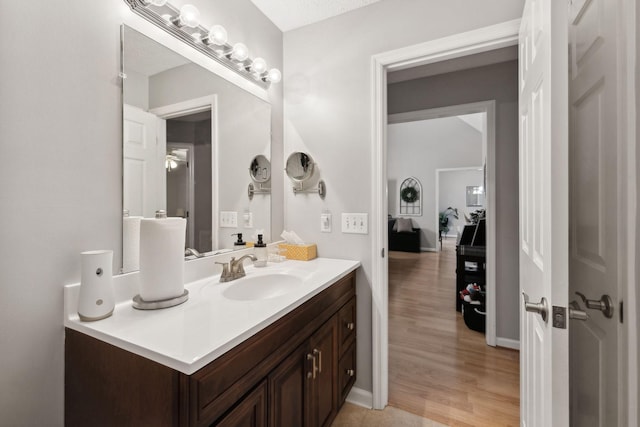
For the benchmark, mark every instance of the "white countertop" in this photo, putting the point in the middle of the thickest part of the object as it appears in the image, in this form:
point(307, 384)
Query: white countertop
point(190, 336)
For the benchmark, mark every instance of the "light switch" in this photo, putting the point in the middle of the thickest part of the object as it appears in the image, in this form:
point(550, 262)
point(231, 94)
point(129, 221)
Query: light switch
point(325, 222)
point(247, 219)
point(355, 223)
point(228, 219)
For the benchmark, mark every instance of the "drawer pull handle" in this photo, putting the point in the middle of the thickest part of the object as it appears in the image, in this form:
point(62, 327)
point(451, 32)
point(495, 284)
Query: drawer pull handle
point(351, 372)
point(318, 353)
point(314, 367)
point(350, 326)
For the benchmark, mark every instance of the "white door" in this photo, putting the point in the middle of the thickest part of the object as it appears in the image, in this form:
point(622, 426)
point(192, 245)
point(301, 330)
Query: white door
point(544, 194)
point(598, 180)
point(143, 164)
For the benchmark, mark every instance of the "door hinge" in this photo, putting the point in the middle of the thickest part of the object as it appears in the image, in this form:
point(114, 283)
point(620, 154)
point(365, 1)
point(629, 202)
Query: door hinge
point(382, 253)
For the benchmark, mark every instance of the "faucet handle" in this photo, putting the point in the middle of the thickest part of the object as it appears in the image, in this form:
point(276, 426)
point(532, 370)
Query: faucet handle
point(226, 275)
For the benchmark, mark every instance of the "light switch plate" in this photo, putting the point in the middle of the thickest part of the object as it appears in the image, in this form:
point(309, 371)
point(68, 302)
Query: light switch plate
point(355, 223)
point(325, 222)
point(228, 219)
point(247, 219)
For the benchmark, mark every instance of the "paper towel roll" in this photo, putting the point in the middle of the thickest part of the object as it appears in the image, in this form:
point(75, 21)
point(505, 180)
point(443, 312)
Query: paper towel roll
point(96, 299)
point(162, 258)
point(131, 243)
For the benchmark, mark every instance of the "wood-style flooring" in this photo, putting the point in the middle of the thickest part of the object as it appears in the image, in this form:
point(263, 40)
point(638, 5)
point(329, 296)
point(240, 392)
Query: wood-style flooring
point(438, 368)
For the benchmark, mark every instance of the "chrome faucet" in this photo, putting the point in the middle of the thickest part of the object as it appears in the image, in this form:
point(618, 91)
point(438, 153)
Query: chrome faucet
point(234, 269)
point(191, 251)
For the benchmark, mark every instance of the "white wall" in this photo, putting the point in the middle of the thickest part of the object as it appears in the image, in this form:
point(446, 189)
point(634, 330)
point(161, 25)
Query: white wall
point(452, 191)
point(419, 148)
point(328, 114)
point(61, 192)
point(136, 90)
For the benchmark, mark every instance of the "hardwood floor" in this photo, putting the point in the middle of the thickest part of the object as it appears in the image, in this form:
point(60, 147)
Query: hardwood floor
point(438, 368)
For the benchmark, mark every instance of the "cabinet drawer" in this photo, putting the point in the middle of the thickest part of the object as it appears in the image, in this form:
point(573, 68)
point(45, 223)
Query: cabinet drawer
point(347, 326)
point(347, 372)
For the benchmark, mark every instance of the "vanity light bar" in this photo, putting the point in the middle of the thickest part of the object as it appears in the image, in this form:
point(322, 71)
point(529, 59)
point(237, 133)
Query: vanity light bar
point(185, 25)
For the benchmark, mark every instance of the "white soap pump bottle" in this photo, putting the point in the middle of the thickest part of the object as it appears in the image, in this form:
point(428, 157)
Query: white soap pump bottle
point(260, 252)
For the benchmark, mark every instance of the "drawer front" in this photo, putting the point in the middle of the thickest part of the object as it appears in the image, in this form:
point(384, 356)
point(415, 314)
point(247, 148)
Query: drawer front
point(347, 326)
point(251, 411)
point(347, 372)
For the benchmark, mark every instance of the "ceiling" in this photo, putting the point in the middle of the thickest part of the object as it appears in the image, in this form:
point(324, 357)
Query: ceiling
point(291, 14)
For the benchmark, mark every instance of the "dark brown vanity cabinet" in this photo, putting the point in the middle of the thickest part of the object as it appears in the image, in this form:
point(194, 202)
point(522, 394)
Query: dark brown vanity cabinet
point(295, 372)
point(303, 387)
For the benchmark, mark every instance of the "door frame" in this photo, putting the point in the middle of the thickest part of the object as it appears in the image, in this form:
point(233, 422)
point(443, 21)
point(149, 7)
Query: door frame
point(191, 216)
point(476, 41)
point(193, 106)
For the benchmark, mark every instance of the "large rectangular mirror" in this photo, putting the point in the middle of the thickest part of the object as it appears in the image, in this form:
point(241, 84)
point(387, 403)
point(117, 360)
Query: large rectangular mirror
point(189, 140)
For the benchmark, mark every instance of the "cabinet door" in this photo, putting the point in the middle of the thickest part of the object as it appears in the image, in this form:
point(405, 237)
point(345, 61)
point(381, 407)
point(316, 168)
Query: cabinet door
point(250, 412)
point(322, 402)
point(288, 388)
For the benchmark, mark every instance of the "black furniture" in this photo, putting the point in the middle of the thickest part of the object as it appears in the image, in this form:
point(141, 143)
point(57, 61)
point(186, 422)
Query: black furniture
point(471, 259)
point(405, 241)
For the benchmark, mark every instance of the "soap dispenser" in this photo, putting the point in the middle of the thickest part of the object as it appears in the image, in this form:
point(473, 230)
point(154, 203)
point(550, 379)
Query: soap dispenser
point(238, 242)
point(260, 251)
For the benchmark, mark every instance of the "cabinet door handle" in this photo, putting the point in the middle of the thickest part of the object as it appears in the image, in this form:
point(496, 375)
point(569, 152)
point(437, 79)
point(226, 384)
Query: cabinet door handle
point(350, 326)
point(314, 367)
point(351, 372)
point(318, 353)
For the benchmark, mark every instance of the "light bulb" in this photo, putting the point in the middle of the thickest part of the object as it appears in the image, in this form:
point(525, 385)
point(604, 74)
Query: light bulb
point(240, 52)
point(157, 2)
point(259, 65)
point(274, 75)
point(217, 35)
point(189, 16)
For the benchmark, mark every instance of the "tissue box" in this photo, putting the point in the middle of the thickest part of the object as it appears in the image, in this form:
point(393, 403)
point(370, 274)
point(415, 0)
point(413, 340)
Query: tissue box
point(299, 252)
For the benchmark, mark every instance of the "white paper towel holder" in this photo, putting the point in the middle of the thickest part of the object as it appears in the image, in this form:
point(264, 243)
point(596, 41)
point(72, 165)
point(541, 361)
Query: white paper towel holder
point(141, 304)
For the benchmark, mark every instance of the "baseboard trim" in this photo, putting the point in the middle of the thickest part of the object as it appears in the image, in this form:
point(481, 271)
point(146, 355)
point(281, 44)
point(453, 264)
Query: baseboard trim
point(428, 250)
point(508, 343)
point(360, 397)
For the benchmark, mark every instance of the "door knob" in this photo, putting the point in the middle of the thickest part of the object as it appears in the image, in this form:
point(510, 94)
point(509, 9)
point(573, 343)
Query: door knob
point(576, 313)
point(604, 304)
point(542, 308)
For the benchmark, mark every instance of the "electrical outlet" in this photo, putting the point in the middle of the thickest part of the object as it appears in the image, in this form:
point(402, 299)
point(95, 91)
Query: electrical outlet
point(325, 222)
point(355, 223)
point(228, 219)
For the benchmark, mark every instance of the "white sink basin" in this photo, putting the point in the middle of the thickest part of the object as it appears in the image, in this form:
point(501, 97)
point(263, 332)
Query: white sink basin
point(261, 287)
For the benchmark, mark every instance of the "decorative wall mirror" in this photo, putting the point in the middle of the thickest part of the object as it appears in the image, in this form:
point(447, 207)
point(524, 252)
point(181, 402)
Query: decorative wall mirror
point(411, 197)
point(207, 129)
point(475, 196)
point(299, 168)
